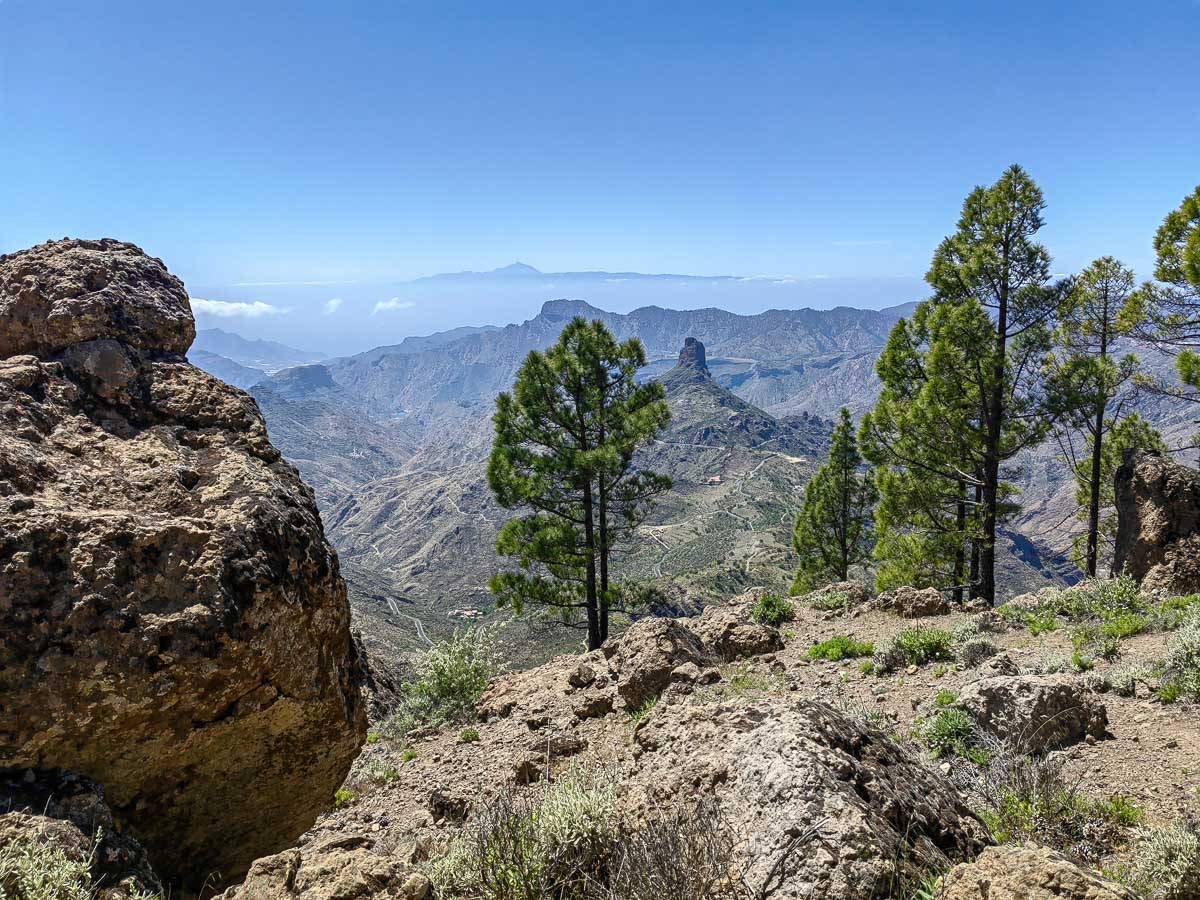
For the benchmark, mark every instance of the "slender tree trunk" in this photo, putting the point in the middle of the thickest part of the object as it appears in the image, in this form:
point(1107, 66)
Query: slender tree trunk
point(604, 549)
point(594, 639)
point(1093, 535)
point(991, 456)
point(974, 592)
point(960, 560)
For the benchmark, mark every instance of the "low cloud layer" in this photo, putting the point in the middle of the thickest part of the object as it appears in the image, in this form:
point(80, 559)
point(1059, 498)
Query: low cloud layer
point(234, 309)
point(394, 303)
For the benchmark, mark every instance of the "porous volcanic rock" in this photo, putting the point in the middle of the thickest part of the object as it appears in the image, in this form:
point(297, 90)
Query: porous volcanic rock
point(1026, 873)
point(914, 603)
point(1158, 523)
point(332, 869)
point(1036, 712)
point(68, 292)
point(823, 804)
point(173, 623)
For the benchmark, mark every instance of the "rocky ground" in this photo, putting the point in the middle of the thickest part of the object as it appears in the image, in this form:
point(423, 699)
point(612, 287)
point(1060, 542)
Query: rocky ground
point(746, 715)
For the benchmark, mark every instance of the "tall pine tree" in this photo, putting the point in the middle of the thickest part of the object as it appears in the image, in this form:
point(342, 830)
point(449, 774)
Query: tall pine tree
point(565, 439)
point(993, 260)
point(833, 532)
point(1089, 385)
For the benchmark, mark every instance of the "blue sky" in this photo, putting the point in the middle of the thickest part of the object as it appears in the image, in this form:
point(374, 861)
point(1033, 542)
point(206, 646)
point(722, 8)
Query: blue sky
point(373, 142)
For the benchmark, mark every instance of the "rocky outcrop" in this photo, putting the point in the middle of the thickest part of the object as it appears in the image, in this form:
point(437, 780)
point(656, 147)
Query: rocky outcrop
point(1035, 712)
point(913, 603)
point(1158, 523)
point(336, 868)
point(1023, 873)
point(692, 355)
point(173, 623)
point(649, 652)
point(823, 804)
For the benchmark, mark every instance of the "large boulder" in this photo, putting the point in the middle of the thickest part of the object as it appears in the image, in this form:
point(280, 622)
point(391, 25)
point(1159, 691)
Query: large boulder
point(914, 603)
point(1035, 712)
point(822, 804)
point(1026, 873)
point(648, 652)
point(62, 293)
point(338, 868)
point(1158, 523)
point(173, 623)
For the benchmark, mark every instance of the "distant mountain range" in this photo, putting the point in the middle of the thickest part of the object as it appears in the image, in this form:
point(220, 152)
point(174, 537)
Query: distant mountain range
point(395, 440)
point(244, 362)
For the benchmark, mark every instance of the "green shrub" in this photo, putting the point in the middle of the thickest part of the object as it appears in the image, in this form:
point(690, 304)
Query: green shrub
point(468, 736)
point(1167, 863)
point(944, 698)
point(450, 678)
point(1090, 638)
point(953, 732)
point(773, 610)
point(1100, 599)
point(867, 667)
point(1174, 611)
point(921, 645)
point(32, 869)
point(740, 681)
point(553, 845)
point(343, 796)
point(1012, 614)
point(1023, 798)
point(408, 754)
point(840, 647)
point(1181, 667)
point(1125, 624)
point(830, 601)
point(1042, 621)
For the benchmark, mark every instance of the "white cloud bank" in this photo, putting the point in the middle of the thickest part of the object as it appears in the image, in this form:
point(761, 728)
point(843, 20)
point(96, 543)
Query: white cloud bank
point(394, 303)
point(230, 309)
point(332, 305)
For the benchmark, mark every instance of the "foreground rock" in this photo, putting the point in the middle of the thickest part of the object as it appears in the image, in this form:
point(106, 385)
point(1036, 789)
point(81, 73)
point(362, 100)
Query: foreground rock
point(172, 620)
point(820, 802)
point(816, 802)
point(334, 869)
point(1016, 873)
point(914, 603)
point(1158, 523)
point(1035, 712)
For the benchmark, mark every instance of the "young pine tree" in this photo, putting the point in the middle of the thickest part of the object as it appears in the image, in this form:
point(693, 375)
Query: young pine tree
point(1089, 385)
point(834, 530)
point(565, 439)
point(993, 260)
point(926, 439)
point(1169, 308)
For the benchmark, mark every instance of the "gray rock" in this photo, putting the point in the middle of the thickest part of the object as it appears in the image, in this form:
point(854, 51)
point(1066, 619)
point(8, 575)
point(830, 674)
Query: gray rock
point(1158, 523)
point(1035, 712)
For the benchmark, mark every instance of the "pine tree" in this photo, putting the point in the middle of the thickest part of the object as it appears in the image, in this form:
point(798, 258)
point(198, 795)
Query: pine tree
point(1127, 433)
point(925, 438)
point(1089, 386)
point(993, 260)
point(1168, 310)
point(833, 532)
point(565, 440)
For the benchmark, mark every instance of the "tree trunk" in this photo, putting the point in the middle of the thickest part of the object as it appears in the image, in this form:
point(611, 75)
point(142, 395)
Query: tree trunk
point(604, 550)
point(991, 454)
point(974, 592)
point(1093, 535)
point(594, 639)
point(960, 548)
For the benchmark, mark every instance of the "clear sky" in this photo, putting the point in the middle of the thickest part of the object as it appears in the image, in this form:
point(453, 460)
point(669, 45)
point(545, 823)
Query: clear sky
point(261, 141)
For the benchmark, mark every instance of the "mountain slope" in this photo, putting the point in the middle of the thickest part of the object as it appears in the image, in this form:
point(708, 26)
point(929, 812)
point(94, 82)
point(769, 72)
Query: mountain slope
point(269, 356)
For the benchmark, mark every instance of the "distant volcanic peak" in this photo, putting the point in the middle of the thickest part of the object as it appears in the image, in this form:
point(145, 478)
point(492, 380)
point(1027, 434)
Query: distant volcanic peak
point(517, 268)
point(692, 356)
